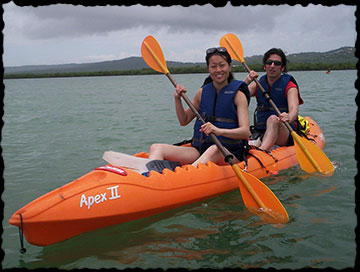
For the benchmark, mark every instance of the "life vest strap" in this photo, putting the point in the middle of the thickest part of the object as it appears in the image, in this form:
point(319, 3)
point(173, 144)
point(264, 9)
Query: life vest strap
point(223, 141)
point(263, 108)
point(213, 119)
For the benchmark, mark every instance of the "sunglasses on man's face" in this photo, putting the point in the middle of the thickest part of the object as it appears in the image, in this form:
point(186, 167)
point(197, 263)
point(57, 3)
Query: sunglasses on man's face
point(216, 49)
point(276, 62)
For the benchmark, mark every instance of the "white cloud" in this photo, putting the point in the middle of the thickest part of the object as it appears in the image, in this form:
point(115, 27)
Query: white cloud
point(66, 33)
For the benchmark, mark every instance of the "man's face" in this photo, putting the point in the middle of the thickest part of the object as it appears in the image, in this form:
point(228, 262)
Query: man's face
point(273, 66)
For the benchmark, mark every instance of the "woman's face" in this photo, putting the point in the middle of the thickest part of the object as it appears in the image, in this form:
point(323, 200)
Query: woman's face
point(219, 69)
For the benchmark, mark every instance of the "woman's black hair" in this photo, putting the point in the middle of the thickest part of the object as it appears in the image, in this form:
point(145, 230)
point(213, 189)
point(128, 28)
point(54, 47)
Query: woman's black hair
point(225, 55)
point(280, 53)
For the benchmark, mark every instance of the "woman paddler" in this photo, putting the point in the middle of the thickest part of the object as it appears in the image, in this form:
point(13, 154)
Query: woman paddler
point(223, 103)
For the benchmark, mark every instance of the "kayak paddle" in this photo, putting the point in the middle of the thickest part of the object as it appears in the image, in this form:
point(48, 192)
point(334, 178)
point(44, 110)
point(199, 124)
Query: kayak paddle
point(311, 158)
point(257, 197)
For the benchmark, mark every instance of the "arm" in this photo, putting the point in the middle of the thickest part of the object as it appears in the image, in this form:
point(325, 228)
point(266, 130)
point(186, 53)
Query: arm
point(293, 104)
point(249, 78)
point(243, 131)
point(185, 116)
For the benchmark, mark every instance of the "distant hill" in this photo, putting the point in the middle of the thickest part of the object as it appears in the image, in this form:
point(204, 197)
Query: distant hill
point(131, 63)
point(341, 55)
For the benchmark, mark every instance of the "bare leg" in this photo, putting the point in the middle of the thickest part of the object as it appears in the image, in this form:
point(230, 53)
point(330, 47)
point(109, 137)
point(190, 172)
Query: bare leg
point(276, 133)
point(212, 154)
point(182, 154)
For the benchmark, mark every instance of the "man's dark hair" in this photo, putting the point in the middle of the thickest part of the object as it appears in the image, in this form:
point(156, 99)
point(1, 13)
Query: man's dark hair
point(278, 52)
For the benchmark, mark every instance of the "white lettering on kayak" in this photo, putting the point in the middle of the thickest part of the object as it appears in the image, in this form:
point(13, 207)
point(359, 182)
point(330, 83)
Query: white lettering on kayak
point(114, 192)
point(88, 201)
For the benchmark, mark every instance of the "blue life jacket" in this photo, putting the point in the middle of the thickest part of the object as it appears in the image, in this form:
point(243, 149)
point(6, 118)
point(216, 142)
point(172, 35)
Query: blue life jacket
point(277, 93)
point(220, 110)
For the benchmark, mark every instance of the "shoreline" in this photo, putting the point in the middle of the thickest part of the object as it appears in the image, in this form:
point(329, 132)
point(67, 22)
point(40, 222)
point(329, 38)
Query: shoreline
point(174, 70)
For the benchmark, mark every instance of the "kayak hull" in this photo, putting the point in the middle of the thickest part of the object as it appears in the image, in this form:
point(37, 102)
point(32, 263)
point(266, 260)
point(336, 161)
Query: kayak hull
point(110, 195)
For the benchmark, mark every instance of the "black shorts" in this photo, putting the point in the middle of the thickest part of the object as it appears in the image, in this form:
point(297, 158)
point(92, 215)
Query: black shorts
point(238, 153)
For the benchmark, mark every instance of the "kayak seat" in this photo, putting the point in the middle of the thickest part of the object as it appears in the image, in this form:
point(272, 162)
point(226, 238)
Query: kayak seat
point(160, 165)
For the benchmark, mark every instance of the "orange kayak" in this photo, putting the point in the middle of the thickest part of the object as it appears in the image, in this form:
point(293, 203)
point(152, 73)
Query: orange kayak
point(110, 195)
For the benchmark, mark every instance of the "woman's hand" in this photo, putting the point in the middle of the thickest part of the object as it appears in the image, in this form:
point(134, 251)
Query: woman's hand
point(178, 90)
point(209, 128)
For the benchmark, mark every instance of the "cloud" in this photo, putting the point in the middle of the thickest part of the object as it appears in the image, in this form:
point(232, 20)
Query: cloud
point(66, 33)
point(59, 21)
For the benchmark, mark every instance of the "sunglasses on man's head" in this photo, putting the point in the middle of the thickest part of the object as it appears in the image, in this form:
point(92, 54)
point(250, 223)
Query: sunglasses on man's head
point(216, 49)
point(276, 62)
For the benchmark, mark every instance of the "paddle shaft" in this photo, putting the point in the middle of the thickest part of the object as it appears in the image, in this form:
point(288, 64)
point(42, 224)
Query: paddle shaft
point(228, 157)
point(292, 132)
point(268, 98)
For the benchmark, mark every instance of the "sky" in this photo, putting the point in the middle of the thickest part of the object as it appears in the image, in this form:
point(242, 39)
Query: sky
point(62, 34)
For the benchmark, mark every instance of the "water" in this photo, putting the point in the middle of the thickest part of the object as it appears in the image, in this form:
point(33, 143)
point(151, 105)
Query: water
point(56, 130)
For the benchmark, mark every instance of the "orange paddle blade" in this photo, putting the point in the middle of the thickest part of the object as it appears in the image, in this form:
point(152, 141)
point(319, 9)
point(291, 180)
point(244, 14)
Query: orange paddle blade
point(259, 199)
point(233, 46)
point(311, 158)
point(153, 55)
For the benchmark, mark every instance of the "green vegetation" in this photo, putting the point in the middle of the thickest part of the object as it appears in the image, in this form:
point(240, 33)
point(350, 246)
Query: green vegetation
point(339, 59)
point(79, 74)
point(303, 67)
point(185, 70)
point(147, 71)
point(321, 66)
